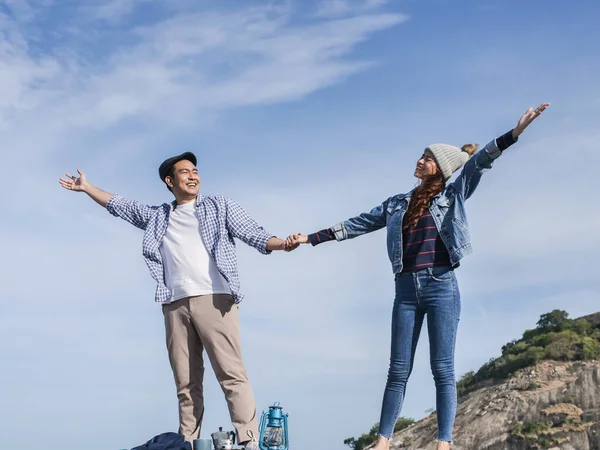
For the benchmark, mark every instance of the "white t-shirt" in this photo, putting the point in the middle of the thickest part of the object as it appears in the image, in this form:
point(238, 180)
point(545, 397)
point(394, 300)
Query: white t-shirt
point(188, 267)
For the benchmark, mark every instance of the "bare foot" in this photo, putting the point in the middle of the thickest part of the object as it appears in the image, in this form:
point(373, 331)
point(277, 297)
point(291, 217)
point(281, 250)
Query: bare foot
point(443, 445)
point(383, 443)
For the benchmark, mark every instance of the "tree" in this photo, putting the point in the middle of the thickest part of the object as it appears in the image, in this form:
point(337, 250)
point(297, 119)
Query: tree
point(364, 440)
point(350, 442)
point(553, 321)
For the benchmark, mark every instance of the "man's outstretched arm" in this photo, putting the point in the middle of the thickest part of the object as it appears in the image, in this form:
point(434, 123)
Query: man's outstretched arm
point(129, 210)
point(80, 184)
point(246, 229)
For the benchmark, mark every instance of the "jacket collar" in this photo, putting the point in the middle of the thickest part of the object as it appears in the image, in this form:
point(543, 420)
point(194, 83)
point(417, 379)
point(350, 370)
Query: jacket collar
point(408, 195)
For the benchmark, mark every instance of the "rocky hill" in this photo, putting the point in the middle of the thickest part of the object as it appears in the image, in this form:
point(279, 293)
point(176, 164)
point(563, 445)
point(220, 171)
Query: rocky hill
point(542, 393)
point(552, 405)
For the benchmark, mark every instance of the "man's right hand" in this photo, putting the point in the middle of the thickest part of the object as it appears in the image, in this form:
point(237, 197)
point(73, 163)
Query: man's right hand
point(73, 183)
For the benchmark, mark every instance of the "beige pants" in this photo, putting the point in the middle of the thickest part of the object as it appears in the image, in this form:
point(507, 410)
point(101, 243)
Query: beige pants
point(211, 323)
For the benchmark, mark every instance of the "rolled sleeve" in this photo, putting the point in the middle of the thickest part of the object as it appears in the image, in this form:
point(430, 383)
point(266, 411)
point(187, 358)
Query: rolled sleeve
point(492, 150)
point(132, 211)
point(261, 242)
point(495, 148)
point(113, 204)
point(340, 232)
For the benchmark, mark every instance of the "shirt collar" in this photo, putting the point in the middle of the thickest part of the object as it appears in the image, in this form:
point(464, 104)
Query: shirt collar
point(197, 202)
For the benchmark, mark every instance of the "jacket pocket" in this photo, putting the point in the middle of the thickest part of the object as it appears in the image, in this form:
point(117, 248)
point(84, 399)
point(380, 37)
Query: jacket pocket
point(461, 225)
point(445, 202)
point(393, 207)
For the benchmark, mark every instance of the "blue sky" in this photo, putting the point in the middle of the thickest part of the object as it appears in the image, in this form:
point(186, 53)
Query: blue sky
point(306, 113)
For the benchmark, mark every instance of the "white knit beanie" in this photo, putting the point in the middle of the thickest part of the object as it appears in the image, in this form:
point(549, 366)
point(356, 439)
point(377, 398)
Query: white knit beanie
point(448, 157)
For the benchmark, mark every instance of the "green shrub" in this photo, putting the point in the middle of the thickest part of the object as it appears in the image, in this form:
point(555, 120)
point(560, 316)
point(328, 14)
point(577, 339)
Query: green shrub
point(465, 382)
point(582, 327)
point(590, 348)
point(514, 349)
point(563, 346)
point(542, 340)
point(559, 350)
point(402, 423)
point(536, 428)
point(530, 334)
point(532, 355)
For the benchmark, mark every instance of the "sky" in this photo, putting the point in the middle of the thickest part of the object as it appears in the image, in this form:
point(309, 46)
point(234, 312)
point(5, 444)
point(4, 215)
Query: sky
point(306, 113)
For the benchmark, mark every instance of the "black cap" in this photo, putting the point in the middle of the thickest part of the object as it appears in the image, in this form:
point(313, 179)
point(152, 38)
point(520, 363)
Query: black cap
point(167, 165)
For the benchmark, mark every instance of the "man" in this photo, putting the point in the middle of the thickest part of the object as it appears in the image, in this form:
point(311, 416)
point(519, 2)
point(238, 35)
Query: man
point(189, 248)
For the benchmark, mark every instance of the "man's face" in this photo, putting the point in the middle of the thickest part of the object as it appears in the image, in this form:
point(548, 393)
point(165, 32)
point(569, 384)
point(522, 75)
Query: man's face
point(185, 181)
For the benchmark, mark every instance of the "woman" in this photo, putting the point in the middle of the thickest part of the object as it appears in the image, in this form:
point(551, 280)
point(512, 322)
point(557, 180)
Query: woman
point(427, 236)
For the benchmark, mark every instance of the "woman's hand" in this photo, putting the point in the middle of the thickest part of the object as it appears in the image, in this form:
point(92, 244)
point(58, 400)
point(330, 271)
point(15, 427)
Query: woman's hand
point(529, 116)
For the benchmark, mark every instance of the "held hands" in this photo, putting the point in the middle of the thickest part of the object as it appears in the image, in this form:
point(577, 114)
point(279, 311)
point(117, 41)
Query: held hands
point(529, 116)
point(73, 183)
point(286, 245)
point(294, 240)
point(291, 243)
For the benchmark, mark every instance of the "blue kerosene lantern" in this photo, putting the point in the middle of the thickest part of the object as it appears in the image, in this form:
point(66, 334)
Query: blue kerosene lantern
point(274, 429)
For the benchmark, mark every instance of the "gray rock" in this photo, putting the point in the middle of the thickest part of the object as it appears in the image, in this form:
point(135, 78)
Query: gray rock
point(488, 418)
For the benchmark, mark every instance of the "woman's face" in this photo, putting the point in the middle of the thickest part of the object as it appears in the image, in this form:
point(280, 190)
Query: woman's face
point(426, 166)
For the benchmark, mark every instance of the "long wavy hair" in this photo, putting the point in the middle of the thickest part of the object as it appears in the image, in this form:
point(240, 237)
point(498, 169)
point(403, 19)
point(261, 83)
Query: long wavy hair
point(428, 188)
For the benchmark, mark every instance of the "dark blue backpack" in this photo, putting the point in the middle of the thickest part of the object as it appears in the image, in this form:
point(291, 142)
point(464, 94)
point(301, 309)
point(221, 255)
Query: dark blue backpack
point(166, 441)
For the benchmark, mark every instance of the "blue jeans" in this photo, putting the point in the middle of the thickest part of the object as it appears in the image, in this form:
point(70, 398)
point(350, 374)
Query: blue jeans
point(432, 291)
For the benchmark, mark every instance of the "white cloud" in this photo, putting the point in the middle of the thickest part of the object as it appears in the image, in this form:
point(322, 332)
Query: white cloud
point(22, 78)
point(188, 63)
point(338, 8)
point(184, 70)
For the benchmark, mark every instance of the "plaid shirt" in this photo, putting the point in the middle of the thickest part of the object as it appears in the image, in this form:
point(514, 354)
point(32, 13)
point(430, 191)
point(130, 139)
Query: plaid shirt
point(221, 219)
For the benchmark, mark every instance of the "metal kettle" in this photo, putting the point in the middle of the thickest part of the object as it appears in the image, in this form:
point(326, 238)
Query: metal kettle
point(223, 440)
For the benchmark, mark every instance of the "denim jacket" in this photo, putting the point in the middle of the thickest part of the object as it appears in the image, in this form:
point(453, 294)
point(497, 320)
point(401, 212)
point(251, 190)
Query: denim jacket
point(447, 209)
